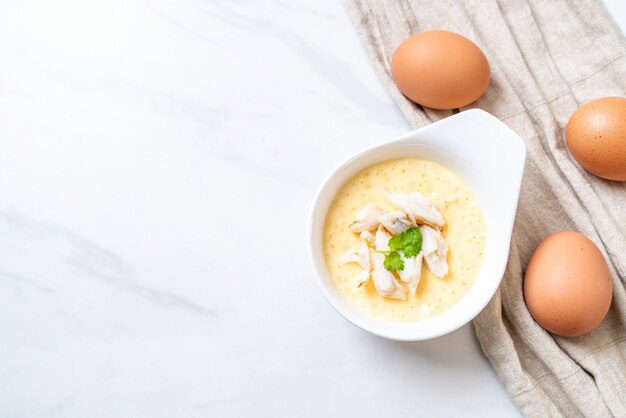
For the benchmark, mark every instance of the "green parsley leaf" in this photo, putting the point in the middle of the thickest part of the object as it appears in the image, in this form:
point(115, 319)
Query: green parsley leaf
point(395, 243)
point(393, 262)
point(409, 243)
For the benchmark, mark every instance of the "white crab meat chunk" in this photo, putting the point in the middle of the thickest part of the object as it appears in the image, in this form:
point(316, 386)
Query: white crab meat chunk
point(367, 236)
point(366, 219)
point(359, 255)
point(435, 250)
point(395, 222)
point(419, 208)
point(385, 282)
point(362, 278)
point(381, 239)
point(412, 272)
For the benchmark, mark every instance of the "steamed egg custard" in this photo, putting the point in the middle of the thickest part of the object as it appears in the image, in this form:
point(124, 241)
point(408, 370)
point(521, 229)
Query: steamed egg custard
point(404, 239)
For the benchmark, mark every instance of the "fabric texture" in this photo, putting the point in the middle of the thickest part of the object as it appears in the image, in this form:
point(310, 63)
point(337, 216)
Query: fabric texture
point(547, 58)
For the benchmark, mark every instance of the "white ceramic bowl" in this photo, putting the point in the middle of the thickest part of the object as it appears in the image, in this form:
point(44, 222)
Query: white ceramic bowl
point(483, 152)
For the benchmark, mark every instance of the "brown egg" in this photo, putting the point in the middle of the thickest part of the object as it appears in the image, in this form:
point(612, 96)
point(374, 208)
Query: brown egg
point(567, 286)
point(596, 137)
point(440, 69)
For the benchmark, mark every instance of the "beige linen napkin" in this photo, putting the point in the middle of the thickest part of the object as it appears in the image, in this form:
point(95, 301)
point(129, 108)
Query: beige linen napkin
point(547, 58)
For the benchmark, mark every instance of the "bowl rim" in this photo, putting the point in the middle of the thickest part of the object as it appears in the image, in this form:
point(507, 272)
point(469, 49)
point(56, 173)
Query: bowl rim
point(349, 314)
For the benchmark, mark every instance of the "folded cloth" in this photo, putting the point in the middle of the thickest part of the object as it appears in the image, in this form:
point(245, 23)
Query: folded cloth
point(547, 58)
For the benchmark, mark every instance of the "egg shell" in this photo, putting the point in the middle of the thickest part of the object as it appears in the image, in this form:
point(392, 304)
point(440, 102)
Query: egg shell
point(440, 69)
point(596, 137)
point(567, 286)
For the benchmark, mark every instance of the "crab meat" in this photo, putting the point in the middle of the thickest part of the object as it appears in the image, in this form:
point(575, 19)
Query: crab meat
point(362, 278)
point(412, 272)
point(435, 250)
point(419, 208)
point(395, 222)
point(366, 219)
point(367, 236)
point(381, 239)
point(359, 255)
point(385, 282)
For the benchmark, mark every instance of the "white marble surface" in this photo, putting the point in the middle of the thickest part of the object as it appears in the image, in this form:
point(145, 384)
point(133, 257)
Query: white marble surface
point(157, 162)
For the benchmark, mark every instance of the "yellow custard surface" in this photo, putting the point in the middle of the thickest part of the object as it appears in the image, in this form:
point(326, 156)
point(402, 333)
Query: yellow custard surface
point(464, 231)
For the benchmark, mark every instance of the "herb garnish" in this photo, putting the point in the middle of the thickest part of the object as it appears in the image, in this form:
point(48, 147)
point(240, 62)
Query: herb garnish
point(409, 243)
